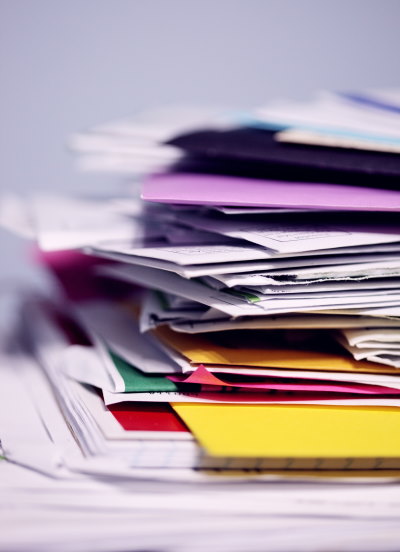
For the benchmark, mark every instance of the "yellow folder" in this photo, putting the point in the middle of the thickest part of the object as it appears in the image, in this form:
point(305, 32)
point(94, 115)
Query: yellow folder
point(199, 350)
point(342, 436)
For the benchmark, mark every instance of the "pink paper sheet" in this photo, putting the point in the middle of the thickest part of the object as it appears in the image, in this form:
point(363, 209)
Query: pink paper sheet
point(207, 189)
point(203, 377)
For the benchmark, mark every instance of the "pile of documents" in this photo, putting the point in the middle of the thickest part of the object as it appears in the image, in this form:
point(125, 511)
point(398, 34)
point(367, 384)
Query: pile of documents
point(230, 319)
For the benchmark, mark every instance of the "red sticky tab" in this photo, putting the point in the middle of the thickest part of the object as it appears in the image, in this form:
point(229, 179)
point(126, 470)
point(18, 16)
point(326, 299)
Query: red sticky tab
point(200, 376)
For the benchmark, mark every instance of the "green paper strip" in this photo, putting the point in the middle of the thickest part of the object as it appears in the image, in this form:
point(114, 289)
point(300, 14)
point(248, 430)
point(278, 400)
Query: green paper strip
point(250, 297)
point(140, 382)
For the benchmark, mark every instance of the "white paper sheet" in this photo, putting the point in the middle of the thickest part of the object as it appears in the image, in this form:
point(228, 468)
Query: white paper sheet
point(286, 237)
point(173, 283)
point(70, 223)
point(119, 329)
point(375, 269)
point(359, 338)
point(258, 281)
point(299, 321)
point(178, 259)
point(332, 140)
point(330, 112)
point(218, 398)
point(226, 303)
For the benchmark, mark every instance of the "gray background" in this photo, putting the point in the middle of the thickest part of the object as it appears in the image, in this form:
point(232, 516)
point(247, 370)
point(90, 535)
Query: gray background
point(66, 65)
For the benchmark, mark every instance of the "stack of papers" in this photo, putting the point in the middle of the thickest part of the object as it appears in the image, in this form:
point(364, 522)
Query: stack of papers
point(233, 324)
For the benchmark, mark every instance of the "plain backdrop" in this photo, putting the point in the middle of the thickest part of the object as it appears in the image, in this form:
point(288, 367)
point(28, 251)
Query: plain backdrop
point(69, 64)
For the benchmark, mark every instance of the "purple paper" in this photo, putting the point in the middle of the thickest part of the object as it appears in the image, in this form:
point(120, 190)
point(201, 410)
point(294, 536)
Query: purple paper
point(207, 189)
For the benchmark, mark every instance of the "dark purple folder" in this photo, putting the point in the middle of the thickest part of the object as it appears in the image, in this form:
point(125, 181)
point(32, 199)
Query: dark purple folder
point(255, 153)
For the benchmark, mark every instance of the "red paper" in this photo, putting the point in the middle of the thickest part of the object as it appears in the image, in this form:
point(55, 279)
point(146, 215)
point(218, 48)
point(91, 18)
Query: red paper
point(146, 417)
